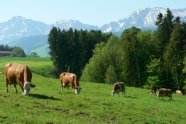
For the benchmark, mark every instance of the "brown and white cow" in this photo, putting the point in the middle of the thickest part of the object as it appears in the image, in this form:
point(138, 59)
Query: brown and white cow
point(18, 74)
point(68, 79)
point(163, 92)
point(118, 87)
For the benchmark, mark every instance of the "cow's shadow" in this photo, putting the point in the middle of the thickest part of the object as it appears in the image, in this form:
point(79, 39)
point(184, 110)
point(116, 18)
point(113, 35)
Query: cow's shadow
point(131, 97)
point(39, 96)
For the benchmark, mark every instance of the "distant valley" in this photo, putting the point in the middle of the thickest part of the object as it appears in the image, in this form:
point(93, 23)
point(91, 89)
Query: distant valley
point(32, 35)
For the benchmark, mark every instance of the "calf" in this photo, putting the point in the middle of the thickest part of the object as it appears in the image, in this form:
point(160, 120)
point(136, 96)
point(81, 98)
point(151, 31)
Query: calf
point(165, 92)
point(118, 87)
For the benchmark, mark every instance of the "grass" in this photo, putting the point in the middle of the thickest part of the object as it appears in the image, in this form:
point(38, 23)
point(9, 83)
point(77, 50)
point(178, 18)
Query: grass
point(95, 104)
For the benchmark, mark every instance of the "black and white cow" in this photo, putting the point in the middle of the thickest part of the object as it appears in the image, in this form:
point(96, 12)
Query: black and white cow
point(118, 87)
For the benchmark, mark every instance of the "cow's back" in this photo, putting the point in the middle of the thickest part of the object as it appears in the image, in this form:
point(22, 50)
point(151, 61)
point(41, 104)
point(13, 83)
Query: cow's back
point(67, 77)
point(17, 73)
point(163, 92)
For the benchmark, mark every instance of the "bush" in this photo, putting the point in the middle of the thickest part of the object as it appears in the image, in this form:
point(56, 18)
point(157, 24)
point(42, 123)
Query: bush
point(18, 52)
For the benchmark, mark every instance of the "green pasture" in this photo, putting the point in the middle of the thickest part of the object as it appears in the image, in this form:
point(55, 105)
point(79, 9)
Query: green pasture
point(94, 105)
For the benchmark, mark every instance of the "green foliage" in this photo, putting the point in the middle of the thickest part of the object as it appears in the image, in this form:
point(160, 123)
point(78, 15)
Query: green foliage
point(18, 52)
point(171, 42)
point(5, 48)
point(70, 50)
point(110, 75)
point(174, 55)
point(131, 48)
point(154, 72)
point(128, 59)
point(165, 27)
point(105, 54)
point(137, 57)
point(94, 70)
point(34, 55)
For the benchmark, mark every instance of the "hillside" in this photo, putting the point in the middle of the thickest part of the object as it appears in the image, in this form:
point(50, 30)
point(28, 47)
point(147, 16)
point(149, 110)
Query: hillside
point(31, 43)
point(95, 104)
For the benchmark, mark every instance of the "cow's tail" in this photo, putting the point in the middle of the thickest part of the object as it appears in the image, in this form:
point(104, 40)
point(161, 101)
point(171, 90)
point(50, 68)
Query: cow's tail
point(27, 74)
point(76, 84)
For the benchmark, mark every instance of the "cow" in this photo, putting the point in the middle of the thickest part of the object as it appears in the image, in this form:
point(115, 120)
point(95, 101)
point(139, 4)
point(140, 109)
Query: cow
point(18, 74)
point(165, 92)
point(67, 79)
point(118, 87)
point(178, 92)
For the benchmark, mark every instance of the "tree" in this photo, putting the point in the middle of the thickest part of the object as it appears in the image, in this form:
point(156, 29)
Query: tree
point(130, 57)
point(95, 68)
point(34, 55)
point(164, 29)
point(153, 73)
point(174, 56)
point(110, 75)
point(52, 41)
point(70, 50)
point(104, 66)
point(163, 34)
point(18, 52)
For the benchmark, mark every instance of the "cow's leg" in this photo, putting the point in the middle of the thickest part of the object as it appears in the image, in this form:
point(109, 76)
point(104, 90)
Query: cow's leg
point(6, 84)
point(61, 88)
point(21, 87)
point(112, 92)
point(15, 89)
point(62, 85)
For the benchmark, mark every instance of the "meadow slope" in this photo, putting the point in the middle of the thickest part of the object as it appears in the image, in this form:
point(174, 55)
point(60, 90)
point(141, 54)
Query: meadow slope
point(94, 105)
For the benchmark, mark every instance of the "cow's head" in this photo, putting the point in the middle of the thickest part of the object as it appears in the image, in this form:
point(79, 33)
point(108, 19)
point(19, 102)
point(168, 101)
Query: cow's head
point(26, 88)
point(114, 91)
point(77, 90)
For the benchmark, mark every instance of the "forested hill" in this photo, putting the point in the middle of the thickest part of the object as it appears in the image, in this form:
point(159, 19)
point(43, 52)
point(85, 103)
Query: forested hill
point(140, 58)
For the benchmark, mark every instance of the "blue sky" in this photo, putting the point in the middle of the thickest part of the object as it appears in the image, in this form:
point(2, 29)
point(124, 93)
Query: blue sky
point(95, 12)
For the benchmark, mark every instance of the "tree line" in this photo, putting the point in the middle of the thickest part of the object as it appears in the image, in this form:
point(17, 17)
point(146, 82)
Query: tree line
point(12, 51)
point(70, 50)
point(5, 47)
point(140, 58)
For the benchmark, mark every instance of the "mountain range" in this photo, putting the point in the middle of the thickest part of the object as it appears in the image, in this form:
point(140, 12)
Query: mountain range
point(32, 35)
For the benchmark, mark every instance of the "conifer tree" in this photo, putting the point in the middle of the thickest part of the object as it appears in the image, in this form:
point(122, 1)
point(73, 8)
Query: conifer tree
point(163, 33)
point(131, 71)
point(173, 57)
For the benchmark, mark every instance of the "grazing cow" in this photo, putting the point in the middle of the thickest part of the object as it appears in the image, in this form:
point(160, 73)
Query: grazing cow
point(118, 87)
point(178, 92)
point(153, 89)
point(165, 92)
point(68, 79)
point(18, 74)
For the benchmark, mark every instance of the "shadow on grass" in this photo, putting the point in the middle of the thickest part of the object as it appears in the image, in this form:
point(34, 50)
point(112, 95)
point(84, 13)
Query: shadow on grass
point(133, 97)
point(39, 96)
